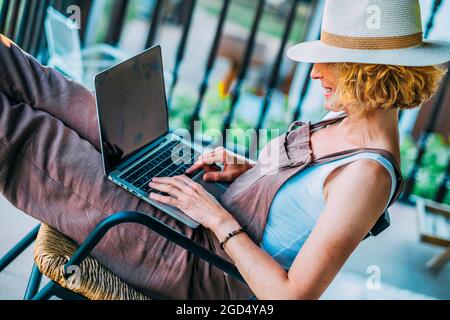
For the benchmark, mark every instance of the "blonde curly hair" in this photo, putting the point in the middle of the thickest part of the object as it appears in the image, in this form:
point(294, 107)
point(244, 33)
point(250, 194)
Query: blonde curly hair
point(370, 87)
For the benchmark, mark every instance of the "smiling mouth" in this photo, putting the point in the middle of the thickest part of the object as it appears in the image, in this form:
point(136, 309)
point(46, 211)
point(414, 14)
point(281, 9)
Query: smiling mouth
point(328, 91)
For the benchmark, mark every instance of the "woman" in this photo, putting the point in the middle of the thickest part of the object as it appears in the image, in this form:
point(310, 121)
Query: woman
point(289, 229)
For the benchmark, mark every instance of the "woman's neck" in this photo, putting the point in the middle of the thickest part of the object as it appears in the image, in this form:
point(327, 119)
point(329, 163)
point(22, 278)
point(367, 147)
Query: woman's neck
point(375, 129)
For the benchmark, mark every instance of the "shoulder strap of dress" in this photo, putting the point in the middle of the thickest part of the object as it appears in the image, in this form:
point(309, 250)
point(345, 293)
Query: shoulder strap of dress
point(386, 154)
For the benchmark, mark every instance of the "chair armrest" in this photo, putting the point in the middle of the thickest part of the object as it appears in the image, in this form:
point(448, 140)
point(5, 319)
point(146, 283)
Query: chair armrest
point(165, 231)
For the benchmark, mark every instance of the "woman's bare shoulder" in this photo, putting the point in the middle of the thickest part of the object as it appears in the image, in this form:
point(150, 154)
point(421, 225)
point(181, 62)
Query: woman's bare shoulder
point(367, 176)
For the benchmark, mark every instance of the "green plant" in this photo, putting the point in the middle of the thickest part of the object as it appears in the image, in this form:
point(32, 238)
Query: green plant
point(215, 108)
point(182, 107)
point(432, 167)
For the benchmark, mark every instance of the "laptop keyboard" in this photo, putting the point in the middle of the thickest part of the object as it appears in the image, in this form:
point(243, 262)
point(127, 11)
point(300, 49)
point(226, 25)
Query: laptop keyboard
point(161, 164)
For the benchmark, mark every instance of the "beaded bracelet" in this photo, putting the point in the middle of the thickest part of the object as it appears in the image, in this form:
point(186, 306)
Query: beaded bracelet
point(230, 235)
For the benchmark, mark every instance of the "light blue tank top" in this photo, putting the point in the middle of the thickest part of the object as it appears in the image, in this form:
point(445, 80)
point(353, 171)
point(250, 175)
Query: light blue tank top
point(298, 204)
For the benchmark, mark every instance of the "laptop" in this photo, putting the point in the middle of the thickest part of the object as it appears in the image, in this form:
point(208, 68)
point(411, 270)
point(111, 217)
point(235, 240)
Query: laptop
point(134, 129)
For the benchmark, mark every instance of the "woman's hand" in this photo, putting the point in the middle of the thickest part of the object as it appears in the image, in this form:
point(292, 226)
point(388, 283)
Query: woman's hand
point(234, 165)
point(191, 198)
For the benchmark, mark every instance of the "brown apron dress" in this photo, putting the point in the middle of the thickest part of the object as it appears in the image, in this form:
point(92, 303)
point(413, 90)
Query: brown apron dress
point(50, 168)
point(271, 173)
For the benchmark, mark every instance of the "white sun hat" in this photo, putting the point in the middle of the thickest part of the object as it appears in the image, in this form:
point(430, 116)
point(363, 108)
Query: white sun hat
point(372, 32)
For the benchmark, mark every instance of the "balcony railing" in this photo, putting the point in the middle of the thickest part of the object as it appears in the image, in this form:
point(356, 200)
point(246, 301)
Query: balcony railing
point(23, 21)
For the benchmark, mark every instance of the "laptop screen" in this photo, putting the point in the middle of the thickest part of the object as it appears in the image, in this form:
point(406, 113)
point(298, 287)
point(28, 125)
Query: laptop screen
point(132, 106)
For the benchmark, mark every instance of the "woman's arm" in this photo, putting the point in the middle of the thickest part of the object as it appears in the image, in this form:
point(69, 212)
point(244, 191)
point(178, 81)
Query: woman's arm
point(356, 199)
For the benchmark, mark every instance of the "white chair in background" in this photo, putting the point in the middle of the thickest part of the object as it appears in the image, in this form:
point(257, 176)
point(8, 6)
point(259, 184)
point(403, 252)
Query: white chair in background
point(66, 54)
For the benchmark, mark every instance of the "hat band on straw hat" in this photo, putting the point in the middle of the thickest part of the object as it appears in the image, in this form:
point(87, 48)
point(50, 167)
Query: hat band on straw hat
point(372, 43)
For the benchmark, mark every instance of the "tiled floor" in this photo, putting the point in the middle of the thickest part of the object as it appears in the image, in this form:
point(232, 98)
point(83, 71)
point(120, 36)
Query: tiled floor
point(397, 253)
point(13, 226)
point(401, 257)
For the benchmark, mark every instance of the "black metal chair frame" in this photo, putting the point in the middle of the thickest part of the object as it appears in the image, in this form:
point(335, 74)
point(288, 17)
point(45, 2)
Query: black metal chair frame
point(54, 289)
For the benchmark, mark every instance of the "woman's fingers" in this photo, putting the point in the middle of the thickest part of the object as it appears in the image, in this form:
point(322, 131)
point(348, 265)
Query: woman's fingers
point(203, 162)
point(167, 188)
point(218, 176)
point(194, 186)
point(164, 199)
point(181, 190)
point(209, 159)
point(195, 167)
point(199, 166)
point(176, 183)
